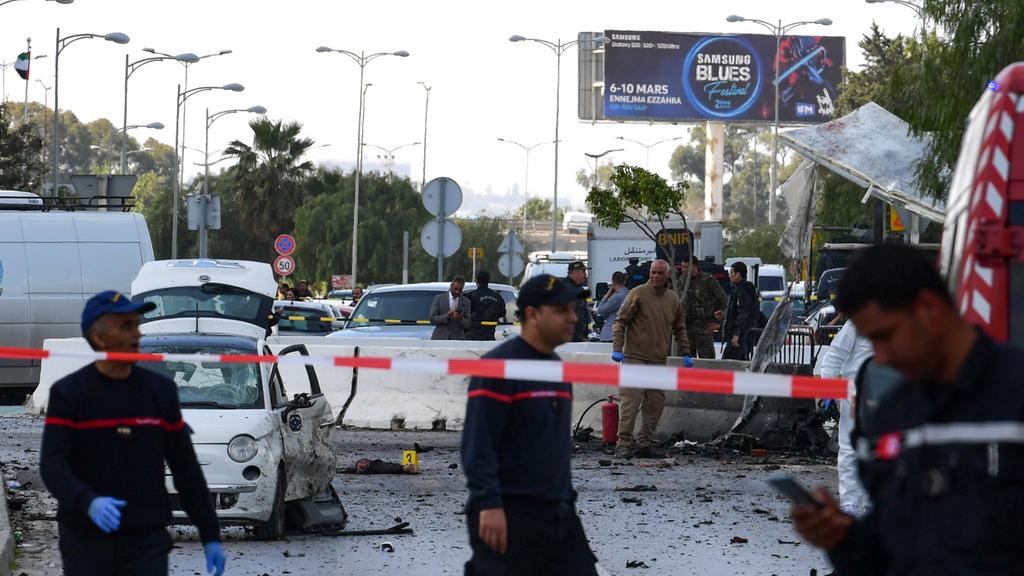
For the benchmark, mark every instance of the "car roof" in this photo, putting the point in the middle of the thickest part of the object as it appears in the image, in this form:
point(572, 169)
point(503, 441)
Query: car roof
point(200, 341)
point(436, 287)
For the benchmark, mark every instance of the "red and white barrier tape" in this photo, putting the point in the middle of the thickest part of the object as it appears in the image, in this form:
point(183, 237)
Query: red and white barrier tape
point(622, 375)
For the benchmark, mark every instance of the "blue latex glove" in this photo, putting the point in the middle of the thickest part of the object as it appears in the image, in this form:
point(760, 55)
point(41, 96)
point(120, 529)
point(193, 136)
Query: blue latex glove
point(687, 361)
point(214, 558)
point(617, 356)
point(105, 512)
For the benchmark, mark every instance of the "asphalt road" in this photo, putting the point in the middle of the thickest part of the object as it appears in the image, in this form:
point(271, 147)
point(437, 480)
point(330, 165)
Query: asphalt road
point(711, 514)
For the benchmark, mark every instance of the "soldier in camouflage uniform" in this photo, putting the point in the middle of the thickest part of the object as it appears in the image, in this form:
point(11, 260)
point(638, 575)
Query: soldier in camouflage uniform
point(705, 309)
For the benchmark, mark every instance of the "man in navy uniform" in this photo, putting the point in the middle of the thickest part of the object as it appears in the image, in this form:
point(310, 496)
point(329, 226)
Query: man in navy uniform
point(516, 445)
point(109, 428)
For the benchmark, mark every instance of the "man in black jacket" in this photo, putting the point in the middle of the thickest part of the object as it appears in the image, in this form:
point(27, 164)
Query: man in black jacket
point(486, 306)
point(109, 428)
point(942, 453)
point(577, 279)
point(521, 512)
point(741, 314)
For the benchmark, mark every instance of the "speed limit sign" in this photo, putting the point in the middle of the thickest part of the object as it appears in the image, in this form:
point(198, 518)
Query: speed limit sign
point(284, 265)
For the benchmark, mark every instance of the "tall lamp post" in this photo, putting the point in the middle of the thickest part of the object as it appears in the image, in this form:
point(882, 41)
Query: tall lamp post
point(647, 147)
point(778, 30)
point(389, 154)
point(124, 140)
point(559, 48)
point(426, 112)
point(526, 179)
point(182, 97)
point(210, 119)
point(361, 59)
point(129, 69)
point(62, 43)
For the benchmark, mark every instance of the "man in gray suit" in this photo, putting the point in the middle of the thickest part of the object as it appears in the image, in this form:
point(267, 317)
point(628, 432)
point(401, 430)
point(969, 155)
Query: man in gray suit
point(449, 312)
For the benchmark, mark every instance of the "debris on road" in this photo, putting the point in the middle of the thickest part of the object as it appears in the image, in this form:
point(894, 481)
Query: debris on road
point(367, 466)
point(738, 540)
point(387, 547)
point(637, 488)
point(604, 462)
point(632, 500)
point(636, 564)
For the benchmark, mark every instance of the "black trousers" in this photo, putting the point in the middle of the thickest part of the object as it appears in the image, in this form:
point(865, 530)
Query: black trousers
point(545, 537)
point(87, 552)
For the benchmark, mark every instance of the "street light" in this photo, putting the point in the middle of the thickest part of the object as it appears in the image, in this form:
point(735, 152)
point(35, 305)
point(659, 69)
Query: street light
point(526, 179)
point(182, 97)
point(62, 43)
point(210, 119)
point(915, 7)
point(597, 160)
point(558, 47)
point(184, 109)
point(426, 111)
point(647, 147)
point(129, 69)
point(389, 155)
point(361, 59)
point(777, 30)
point(57, 1)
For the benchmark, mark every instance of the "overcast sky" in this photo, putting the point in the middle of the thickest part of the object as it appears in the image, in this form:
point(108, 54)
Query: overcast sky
point(484, 87)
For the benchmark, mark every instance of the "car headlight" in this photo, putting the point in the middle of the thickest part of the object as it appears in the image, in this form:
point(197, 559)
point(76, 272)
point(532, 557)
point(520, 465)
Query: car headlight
point(243, 448)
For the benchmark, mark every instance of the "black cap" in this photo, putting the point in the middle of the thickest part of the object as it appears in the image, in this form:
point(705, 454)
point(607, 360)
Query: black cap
point(546, 290)
point(577, 265)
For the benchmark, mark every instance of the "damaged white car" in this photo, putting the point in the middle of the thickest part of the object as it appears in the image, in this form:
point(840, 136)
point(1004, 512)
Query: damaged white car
point(263, 439)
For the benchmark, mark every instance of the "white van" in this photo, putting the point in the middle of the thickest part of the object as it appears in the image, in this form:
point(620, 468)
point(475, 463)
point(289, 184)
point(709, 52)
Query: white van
point(51, 262)
point(576, 222)
point(771, 280)
point(553, 263)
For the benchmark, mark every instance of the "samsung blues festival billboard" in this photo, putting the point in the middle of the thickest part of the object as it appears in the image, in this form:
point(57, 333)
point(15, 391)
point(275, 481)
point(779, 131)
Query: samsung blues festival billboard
point(686, 77)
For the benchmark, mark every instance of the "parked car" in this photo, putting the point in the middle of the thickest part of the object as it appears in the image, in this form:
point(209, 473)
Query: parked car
point(305, 318)
point(554, 263)
point(403, 311)
point(576, 222)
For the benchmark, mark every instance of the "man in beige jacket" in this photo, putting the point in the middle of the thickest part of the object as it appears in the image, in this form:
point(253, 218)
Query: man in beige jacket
point(642, 334)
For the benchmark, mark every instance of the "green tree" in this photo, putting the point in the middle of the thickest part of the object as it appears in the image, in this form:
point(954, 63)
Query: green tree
point(602, 178)
point(537, 210)
point(762, 242)
point(269, 180)
point(21, 155)
point(981, 38)
point(647, 201)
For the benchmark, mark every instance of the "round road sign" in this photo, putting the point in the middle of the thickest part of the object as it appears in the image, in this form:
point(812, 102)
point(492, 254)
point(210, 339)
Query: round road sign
point(442, 190)
point(430, 237)
point(284, 244)
point(284, 265)
point(511, 265)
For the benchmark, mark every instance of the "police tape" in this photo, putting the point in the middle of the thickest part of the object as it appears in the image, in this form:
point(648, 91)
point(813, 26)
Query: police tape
point(622, 375)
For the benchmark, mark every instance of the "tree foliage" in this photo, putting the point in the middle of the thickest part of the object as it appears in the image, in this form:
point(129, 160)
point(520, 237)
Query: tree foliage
point(21, 154)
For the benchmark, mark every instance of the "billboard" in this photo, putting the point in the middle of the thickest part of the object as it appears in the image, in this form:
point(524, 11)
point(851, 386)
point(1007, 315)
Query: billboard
point(692, 77)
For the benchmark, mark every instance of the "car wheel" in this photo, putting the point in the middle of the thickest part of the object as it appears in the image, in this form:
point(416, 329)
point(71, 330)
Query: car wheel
point(273, 528)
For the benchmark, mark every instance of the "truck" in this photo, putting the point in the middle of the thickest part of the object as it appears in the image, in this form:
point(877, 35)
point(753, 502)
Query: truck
point(609, 250)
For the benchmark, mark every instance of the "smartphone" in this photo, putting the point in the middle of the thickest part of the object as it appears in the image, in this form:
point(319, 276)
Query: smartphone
point(786, 485)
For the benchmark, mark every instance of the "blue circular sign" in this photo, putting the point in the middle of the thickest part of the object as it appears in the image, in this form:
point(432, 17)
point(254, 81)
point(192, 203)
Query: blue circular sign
point(284, 244)
point(722, 76)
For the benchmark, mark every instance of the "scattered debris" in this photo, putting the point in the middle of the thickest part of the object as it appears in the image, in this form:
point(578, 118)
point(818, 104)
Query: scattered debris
point(387, 547)
point(684, 444)
point(288, 554)
point(632, 500)
point(604, 462)
point(793, 543)
point(453, 466)
point(636, 564)
point(584, 434)
point(421, 449)
point(637, 488)
point(32, 548)
point(738, 540)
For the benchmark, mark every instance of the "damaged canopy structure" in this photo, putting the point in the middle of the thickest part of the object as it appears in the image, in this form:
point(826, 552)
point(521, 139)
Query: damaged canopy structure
point(873, 148)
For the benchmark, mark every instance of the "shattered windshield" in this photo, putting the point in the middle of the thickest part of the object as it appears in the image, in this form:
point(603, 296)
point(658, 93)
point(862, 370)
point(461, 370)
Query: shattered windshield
point(207, 301)
point(210, 384)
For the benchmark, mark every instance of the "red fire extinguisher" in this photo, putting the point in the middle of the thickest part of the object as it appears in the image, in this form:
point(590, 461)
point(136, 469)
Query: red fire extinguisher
point(610, 421)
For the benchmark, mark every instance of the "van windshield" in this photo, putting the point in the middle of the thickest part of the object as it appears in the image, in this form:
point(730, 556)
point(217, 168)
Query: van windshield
point(771, 283)
point(207, 301)
point(210, 385)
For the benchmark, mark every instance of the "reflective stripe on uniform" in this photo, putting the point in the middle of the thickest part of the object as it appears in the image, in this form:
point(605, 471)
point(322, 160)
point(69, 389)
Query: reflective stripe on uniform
point(964, 433)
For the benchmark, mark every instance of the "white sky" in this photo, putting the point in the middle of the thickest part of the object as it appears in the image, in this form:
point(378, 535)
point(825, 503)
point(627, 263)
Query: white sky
point(484, 86)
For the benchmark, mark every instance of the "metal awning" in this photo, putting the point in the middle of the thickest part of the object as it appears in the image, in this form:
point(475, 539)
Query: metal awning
point(873, 148)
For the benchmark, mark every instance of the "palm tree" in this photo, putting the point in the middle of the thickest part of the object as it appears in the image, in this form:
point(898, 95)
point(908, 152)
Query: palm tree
point(269, 177)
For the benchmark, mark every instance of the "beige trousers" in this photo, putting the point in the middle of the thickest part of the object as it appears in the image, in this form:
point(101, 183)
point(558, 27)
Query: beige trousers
point(649, 404)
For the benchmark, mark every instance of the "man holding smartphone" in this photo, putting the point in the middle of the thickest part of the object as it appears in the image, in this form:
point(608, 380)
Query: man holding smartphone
point(943, 456)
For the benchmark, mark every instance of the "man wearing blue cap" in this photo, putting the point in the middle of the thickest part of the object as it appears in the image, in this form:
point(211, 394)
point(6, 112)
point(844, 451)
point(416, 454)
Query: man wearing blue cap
point(109, 429)
point(521, 512)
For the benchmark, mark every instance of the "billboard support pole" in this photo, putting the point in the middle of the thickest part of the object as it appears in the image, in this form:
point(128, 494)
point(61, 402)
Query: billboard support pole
point(714, 154)
point(775, 137)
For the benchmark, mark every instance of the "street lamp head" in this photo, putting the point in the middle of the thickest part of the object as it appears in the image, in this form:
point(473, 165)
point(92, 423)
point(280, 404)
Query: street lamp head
point(874, 1)
point(234, 87)
point(401, 53)
point(256, 110)
point(734, 18)
point(223, 52)
point(117, 37)
point(824, 21)
point(602, 39)
point(517, 38)
point(64, 1)
point(187, 57)
point(155, 125)
point(324, 49)
point(150, 50)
